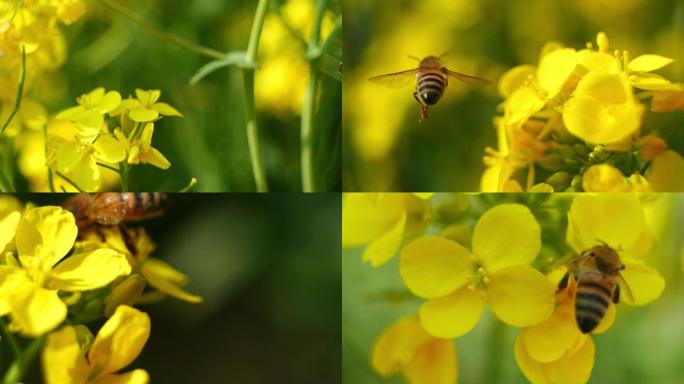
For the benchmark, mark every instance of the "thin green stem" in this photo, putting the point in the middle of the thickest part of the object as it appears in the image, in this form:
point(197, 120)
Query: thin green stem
point(188, 187)
point(309, 107)
point(123, 174)
point(170, 37)
point(18, 369)
point(108, 167)
point(9, 336)
point(250, 112)
point(51, 182)
point(497, 336)
point(20, 91)
point(68, 180)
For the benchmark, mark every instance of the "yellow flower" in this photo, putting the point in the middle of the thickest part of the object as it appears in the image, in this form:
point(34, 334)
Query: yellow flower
point(406, 348)
point(68, 358)
point(458, 283)
point(158, 273)
point(44, 236)
point(140, 149)
point(89, 114)
point(383, 221)
point(618, 221)
point(145, 106)
point(604, 178)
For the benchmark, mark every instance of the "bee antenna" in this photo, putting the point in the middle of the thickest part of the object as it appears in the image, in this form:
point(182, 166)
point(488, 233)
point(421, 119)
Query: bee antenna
point(413, 57)
point(602, 242)
point(443, 54)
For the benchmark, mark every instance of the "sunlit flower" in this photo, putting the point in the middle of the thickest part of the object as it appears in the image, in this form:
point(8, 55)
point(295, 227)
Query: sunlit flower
point(89, 114)
point(618, 221)
point(140, 150)
point(458, 282)
point(406, 348)
point(145, 107)
point(29, 292)
point(383, 221)
point(70, 357)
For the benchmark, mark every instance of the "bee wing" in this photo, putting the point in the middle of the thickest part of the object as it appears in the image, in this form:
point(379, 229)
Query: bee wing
point(624, 287)
point(107, 209)
point(397, 79)
point(467, 78)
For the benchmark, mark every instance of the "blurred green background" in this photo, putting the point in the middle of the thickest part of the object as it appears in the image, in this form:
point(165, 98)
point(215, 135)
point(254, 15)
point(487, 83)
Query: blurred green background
point(209, 143)
point(643, 345)
point(385, 148)
point(268, 269)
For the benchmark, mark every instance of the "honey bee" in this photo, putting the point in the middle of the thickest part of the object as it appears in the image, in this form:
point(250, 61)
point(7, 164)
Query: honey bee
point(109, 209)
point(431, 77)
point(597, 275)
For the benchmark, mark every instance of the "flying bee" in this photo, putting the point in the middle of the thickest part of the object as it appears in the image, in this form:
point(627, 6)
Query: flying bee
point(112, 208)
point(431, 77)
point(597, 275)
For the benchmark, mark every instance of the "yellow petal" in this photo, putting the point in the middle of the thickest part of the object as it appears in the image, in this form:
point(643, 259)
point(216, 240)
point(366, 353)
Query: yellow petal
point(154, 157)
point(554, 70)
point(166, 110)
point(532, 369)
point(385, 246)
point(520, 296)
point(8, 228)
point(645, 283)
point(514, 78)
point(434, 266)
point(87, 271)
point(143, 114)
point(541, 188)
point(523, 103)
point(366, 215)
point(48, 232)
point(138, 376)
point(606, 88)
point(155, 270)
point(397, 345)
point(506, 235)
point(109, 149)
point(148, 97)
point(434, 363)
point(120, 340)
point(453, 315)
point(616, 219)
point(648, 63)
point(35, 310)
point(108, 102)
point(595, 123)
point(594, 61)
point(11, 279)
point(550, 339)
point(62, 359)
point(573, 369)
point(604, 178)
point(666, 171)
point(650, 82)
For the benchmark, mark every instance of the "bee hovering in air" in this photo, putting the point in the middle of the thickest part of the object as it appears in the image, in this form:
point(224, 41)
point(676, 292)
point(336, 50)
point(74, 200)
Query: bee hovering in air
point(597, 275)
point(431, 77)
point(112, 208)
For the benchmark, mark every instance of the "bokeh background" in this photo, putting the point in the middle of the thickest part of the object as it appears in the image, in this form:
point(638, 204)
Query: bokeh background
point(386, 148)
point(209, 143)
point(642, 346)
point(268, 268)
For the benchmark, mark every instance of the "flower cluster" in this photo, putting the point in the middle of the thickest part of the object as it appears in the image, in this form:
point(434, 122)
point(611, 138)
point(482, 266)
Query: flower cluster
point(574, 123)
point(501, 262)
point(81, 140)
point(54, 272)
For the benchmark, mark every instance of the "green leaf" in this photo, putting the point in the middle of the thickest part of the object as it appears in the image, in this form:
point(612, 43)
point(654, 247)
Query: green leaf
point(330, 52)
point(237, 58)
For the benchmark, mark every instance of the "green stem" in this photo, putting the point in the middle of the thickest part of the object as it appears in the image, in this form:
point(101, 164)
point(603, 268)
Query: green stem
point(68, 180)
point(123, 173)
point(309, 107)
point(108, 167)
point(18, 369)
point(9, 336)
point(170, 37)
point(51, 182)
point(250, 112)
point(497, 341)
point(20, 91)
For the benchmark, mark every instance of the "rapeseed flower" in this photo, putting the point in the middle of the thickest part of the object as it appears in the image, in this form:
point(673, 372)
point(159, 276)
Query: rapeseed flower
point(29, 287)
point(497, 271)
point(69, 356)
point(406, 348)
point(146, 107)
point(89, 114)
point(384, 221)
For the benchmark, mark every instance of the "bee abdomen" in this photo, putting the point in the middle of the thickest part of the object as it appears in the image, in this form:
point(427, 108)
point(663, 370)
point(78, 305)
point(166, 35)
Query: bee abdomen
point(431, 87)
point(591, 302)
point(144, 204)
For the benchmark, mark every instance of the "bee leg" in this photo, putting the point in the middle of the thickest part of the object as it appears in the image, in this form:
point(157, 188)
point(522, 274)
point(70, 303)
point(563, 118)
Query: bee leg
point(616, 294)
point(423, 107)
point(564, 281)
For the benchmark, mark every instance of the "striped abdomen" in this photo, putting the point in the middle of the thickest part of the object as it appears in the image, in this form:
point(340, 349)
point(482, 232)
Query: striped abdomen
point(143, 205)
point(431, 85)
point(592, 298)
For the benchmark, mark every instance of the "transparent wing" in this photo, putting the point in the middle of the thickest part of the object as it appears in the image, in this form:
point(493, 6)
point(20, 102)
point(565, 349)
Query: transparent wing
point(625, 288)
point(397, 79)
point(467, 78)
point(107, 208)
